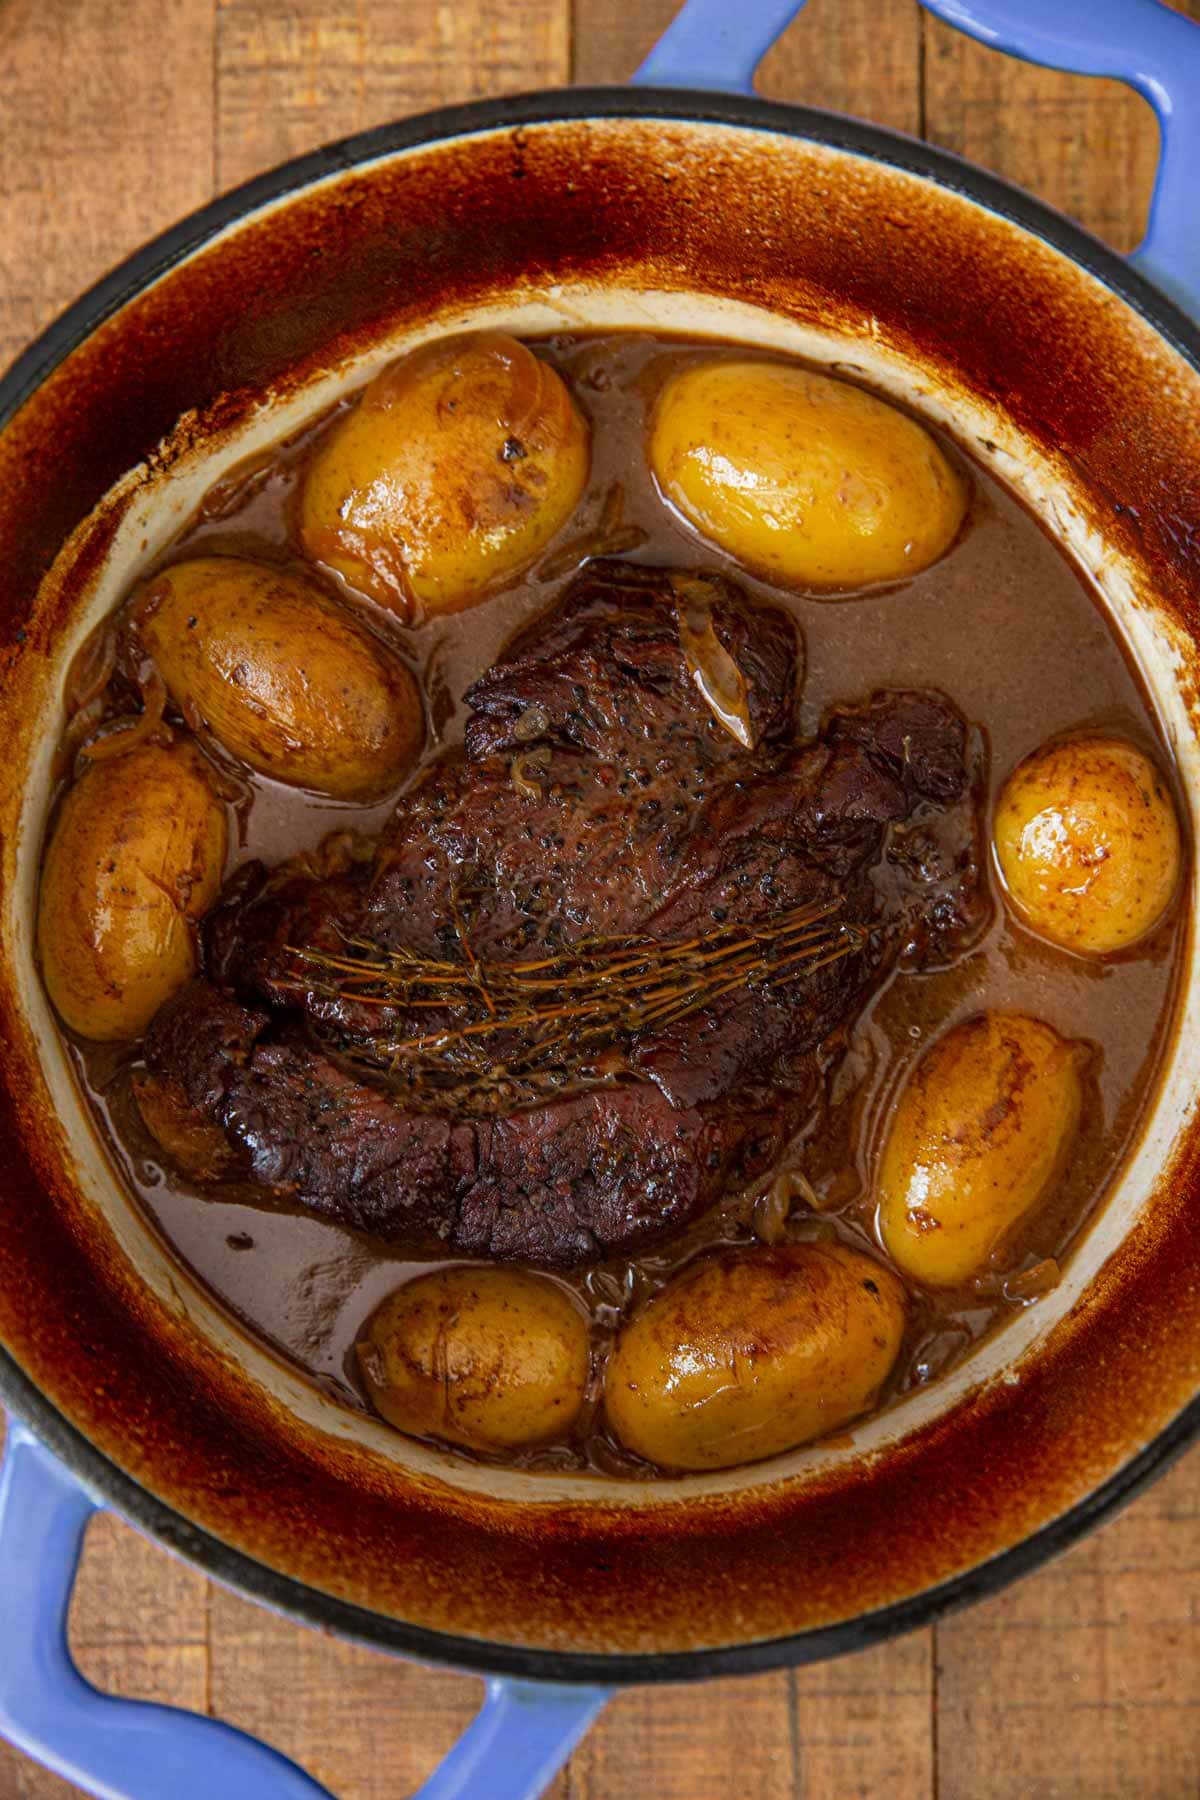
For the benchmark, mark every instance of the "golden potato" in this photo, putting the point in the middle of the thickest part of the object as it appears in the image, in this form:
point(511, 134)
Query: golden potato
point(283, 675)
point(751, 1352)
point(1088, 844)
point(806, 480)
point(980, 1131)
point(134, 860)
point(455, 469)
point(490, 1358)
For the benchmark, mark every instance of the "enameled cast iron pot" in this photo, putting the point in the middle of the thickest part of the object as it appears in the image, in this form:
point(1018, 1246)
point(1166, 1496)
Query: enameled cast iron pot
point(688, 205)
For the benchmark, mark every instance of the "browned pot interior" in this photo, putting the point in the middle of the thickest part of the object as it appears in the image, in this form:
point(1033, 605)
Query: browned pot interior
point(747, 227)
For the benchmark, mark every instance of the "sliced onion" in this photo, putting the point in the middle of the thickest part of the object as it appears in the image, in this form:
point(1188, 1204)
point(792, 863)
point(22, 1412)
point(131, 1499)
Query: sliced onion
point(1033, 1284)
point(770, 1216)
point(530, 759)
point(123, 736)
point(91, 668)
point(772, 1209)
point(720, 681)
point(608, 537)
point(81, 726)
point(521, 405)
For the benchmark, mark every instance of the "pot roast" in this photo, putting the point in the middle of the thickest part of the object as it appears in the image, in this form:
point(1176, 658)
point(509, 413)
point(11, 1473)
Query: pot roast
point(579, 987)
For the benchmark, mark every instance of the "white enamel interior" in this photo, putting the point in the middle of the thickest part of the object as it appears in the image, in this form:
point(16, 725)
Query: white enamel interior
point(158, 514)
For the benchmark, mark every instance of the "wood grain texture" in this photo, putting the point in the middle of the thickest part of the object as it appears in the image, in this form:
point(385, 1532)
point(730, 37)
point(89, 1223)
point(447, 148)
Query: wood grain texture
point(1089, 147)
point(370, 1727)
point(106, 136)
point(857, 56)
point(139, 1626)
point(727, 1738)
point(1084, 1680)
point(292, 74)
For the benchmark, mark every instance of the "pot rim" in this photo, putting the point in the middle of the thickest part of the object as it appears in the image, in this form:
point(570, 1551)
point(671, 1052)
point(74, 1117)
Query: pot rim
point(236, 1569)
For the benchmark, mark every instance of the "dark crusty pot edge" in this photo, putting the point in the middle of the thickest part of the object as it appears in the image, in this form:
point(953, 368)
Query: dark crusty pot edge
point(94, 1468)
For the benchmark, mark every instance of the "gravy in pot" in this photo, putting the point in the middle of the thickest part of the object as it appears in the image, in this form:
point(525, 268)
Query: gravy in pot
point(1002, 623)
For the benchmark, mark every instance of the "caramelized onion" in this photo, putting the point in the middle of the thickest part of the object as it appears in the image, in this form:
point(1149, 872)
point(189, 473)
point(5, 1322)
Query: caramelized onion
point(813, 1230)
point(81, 726)
point(230, 495)
point(588, 546)
point(1033, 1284)
point(772, 1209)
point(337, 852)
point(532, 723)
point(142, 602)
point(608, 537)
point(91, 668)
point(770, 1216)
point(526, 395)
point(123, 736)
point(530, 759)
point(936, 1353)
point(721, 683)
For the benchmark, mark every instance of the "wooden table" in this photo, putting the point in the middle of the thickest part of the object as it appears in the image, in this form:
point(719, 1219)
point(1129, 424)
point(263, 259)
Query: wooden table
point(119, 116)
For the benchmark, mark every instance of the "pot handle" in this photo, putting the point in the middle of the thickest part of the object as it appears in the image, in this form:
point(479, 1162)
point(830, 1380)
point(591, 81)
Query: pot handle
point(716, 44)
point(1156, 52)
point(136, 1750)
point(116, 1749)
point(516, 1743)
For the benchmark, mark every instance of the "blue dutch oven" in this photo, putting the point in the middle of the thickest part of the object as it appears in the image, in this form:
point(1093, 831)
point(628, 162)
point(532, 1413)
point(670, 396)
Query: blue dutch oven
point(1085, 367)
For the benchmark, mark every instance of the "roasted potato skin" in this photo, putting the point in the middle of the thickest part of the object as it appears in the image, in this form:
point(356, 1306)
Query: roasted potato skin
point(135, 858)
point(750, 1352)
point(283, 675)
point(980, 1132)
point(1088, 844)
point(453, 471)
point(493, 1359)
point(805, 480)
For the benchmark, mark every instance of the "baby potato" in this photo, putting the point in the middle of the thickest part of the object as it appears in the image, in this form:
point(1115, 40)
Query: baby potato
point(805, 480)
point(455, 469)
point(493, 1359)
point(1088, 844)
point(283, 675)
point(751, 1352)
point(134, 860)
point(980, 1132)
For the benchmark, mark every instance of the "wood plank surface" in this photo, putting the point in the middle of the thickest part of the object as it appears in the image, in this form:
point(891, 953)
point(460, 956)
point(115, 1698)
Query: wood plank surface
point(1085, 1679)
point(106, 135)
point(139, 1626)
point(1088, 147)
point(857, 56)
point(291, 74)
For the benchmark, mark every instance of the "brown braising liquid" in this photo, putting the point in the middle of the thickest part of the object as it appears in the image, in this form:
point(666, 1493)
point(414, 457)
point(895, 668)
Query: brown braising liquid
point(1004, 624)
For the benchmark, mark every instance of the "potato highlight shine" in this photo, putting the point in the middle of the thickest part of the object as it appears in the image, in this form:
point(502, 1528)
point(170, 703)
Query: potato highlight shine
point(454, 470)
point(1088, 844)
point(980, 1132)
point(748, 1353)
point(490, 1358)
point(135, 859)
point(804, 479)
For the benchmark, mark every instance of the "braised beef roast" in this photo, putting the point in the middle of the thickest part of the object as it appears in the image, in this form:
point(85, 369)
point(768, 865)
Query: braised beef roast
point(626, 831)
